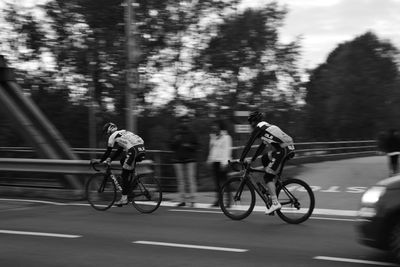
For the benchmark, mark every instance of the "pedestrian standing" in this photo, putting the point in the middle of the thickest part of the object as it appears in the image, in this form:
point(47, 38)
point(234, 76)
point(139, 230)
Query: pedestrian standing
point(392, 146)
point(185, 145)
point(220, 151)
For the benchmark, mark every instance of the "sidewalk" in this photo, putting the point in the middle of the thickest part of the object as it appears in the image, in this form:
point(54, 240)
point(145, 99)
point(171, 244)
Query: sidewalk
point(204, 200)
point(200, 197)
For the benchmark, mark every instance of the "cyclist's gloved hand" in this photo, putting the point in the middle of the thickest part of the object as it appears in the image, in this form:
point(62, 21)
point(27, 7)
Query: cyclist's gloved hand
point(246, 163)
point(94, 161)
point(107, 161)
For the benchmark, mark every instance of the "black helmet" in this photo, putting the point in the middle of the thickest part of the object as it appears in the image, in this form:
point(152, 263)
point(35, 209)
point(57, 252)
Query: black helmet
point(255, 116)
point(109, 128)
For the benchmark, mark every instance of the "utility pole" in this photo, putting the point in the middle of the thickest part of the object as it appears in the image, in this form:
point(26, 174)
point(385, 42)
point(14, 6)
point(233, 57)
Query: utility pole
point(92, 121)
point(92, 107)
point(132, 74)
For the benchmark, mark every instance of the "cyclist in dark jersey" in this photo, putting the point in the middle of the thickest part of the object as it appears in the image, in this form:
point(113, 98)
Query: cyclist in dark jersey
point(280, 145)
point(132, 145)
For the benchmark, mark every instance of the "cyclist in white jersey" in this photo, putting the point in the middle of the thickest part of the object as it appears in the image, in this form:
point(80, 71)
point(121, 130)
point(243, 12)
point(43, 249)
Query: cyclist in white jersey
point(132, 145)
point(280, 144)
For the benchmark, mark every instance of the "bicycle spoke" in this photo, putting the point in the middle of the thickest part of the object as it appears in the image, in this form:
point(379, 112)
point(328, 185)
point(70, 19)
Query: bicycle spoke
point(237, 199)
point(100, 192)
point(297, 200)
point(146, 194)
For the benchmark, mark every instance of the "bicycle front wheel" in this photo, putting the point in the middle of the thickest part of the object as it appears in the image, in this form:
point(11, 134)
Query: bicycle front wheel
point(101, 192)
point(297, 200)
point(237, 198)
point(146, 194)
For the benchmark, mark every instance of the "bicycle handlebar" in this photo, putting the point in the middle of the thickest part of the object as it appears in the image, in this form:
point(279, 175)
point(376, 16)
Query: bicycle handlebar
point(240, 166)
point(94, 163)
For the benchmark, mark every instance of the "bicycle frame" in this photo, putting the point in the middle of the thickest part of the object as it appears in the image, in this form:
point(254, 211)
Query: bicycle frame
point(133, 181)
point(139, 186)
point(115, 180)
point(237, 204)
point(260, 188)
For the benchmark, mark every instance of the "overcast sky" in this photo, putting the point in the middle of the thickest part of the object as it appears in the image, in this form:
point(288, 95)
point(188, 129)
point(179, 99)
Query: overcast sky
point(324, 24)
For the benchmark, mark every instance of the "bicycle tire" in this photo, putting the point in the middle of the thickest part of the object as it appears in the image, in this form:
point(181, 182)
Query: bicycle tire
point(300, 210)
point(101, 196)
point(237, 198)
point(146, 195)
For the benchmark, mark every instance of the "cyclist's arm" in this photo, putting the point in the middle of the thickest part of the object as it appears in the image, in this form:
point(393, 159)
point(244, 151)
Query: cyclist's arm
point(106, 154)
point(117, 153)
point(254, 135)
point(260, 149)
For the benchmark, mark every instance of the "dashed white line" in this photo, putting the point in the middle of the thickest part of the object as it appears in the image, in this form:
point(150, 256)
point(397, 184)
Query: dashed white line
point(190, 246)
point(375, 263)
point(34, 201)
point(38, 234)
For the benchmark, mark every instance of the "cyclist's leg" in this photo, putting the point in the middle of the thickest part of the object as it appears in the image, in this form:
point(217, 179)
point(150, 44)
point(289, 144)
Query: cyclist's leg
point(269, 162)
point(127, 168)
point(271, 170)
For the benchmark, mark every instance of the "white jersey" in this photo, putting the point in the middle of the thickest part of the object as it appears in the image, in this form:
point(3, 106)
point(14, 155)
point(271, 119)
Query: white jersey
point(273, 134)
point(124, 139)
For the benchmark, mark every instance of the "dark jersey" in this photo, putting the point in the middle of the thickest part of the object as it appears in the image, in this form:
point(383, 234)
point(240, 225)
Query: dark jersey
point(269, 134)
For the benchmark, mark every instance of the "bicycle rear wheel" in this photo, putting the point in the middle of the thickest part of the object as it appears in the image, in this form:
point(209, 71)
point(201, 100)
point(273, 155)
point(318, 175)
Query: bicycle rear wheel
point(101, 192)
point(146, 194)
point(297, 200)
point(237, 198)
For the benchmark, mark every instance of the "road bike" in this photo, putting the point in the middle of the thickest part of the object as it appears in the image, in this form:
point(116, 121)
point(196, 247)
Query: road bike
point(102, 189)
point(238, 198)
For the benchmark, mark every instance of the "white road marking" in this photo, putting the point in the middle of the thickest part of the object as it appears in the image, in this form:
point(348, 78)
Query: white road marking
point(333, 219)
point(350, 213)
point(38, 234)
point(376, 263)
point(328, 212)
point(220, 212)
point(189, 246)
point(44, 202)
point(34, 201)
point(332, 212)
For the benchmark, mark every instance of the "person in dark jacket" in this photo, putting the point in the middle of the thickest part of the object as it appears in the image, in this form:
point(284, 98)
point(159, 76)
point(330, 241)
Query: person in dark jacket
point(185, 145)
point(392, 148)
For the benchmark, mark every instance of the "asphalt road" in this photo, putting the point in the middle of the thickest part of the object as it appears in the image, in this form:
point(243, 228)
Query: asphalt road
point(39, 234)
point(36, 233)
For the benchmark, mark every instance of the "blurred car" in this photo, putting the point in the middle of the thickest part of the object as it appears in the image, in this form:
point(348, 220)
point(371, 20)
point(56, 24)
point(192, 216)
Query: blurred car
point(378, 222)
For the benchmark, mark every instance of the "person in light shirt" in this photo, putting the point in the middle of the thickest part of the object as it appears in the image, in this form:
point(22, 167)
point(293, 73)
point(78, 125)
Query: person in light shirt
point(220, 151)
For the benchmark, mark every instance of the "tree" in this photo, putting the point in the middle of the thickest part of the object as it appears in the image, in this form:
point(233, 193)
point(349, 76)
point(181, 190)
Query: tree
point(355, 93)
point(87, 40)
point(256, 69)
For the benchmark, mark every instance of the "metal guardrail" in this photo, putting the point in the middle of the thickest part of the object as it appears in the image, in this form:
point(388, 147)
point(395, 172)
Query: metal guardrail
point(303, 150)
point(78, 167)
point(162, 168)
